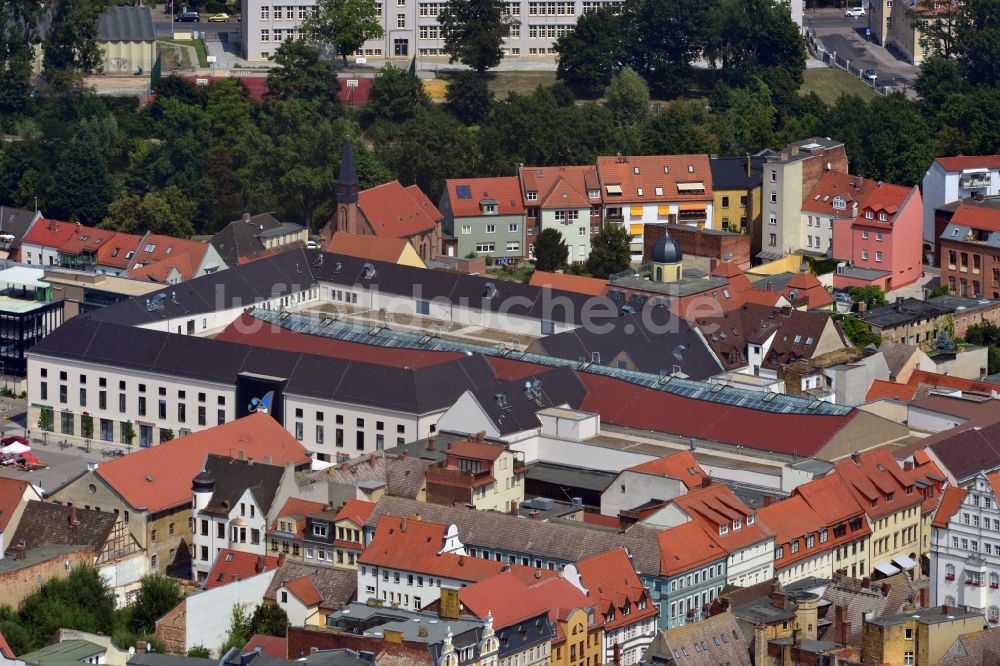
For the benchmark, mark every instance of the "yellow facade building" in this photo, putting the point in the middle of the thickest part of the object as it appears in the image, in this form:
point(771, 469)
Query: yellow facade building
point(915, 637)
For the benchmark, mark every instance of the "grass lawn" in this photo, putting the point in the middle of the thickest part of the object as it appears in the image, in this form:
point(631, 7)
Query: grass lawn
point(502, 83)
point(829, 83)
point(199, 47)
point(522, 274)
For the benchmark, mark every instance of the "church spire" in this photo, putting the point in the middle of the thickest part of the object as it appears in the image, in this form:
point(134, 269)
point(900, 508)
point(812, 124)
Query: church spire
point(347, 181)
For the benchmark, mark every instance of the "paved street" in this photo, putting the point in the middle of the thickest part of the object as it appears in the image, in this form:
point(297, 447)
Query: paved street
point(845, 36)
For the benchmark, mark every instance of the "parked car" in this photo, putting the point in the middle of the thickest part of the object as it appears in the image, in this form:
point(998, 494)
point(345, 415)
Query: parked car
point(855, 12)
point(870, 75)
point(188, 17)
point(219, 18)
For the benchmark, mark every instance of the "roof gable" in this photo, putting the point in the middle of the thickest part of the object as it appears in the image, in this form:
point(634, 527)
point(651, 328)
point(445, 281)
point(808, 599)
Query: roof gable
point(395, 211)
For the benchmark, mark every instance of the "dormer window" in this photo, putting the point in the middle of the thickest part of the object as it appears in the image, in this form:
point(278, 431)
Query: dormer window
point(532, 195)
point(751, 518)
point(883, 217)
point(593, 194)
point(839, 203)
point(738, 524)
point(489, 209)
point(723, 529)
point(319, 530)
point(869, 215)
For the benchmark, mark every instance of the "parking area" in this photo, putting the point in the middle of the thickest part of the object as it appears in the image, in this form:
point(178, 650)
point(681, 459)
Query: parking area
point(845, 38)
point(63, 465)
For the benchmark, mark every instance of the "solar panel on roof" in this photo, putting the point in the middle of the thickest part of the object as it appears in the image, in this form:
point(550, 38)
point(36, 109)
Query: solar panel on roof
point(463, 191)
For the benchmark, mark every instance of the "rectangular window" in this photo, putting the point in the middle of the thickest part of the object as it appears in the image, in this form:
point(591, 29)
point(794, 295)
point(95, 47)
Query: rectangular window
point(298, 430)
point(513, 246)
point(400, 20)
point(201, 415)
point(142, 405)
point(319, 434)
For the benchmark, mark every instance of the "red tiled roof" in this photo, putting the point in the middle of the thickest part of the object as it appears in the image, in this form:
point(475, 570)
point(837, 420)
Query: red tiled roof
point(169, 251)
point(357, 511)
point(790, 519)
point(478, 450)
point(11, 494)
point(249, 331)
point(115, 252)
point(50, 233)
point(961, 162)
point(830, 499)
point(415, 548)
point(270, 646)
point(562, 598)
point(509, 369)
point(808, 286)
point(505, 596)
point(373, 248)
point(875, 476)
point(621, 403)
point(687, 546)
point(680, 465)
point(726, 269)
point(505, 190)
point(604, 521)
point(233, 565)
point(886, 198)
point(950, 503)
point(394, 211)
point(304, 590)
point(5, 648)
point(298, 507)
point(976, 217)
point(160, 477)
point(611, 580)
point(831, 184)
point(931, 475)
point(562, 186)
point(883, 388)
point(717, 505)
point(663, 171)
point(565, 282)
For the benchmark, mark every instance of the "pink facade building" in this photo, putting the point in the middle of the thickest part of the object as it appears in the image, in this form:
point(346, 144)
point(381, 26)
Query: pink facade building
point(876, 227)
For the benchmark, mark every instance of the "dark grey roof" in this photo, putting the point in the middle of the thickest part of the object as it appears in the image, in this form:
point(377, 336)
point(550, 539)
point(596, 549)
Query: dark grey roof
point(16, 222)
point(348, 174)
point(666, 251)
point(966, 453)
point(157, 659)
point(904, 311)
point(654, 340)
point(233, 477)
point(516, 410)
point(269, 278)
point(126, 24)
point(776, 282)
point(730, 173)
point(867, 274)
point(960, 233)
point(956, 303)
point(416, 391)
point(573, 477)
point(43, 524)
point(241, 238)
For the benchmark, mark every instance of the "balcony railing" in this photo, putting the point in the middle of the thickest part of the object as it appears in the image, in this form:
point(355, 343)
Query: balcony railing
point(975, 182)
point(457, 477)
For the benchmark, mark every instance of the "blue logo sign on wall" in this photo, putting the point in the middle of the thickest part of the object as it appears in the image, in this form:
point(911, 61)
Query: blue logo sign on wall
point(262, 405)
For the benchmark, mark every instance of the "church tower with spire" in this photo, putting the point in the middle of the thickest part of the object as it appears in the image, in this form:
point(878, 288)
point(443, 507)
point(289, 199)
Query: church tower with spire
point(348, 216)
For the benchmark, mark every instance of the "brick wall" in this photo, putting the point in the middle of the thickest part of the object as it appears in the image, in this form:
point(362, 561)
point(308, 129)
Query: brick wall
point(712, 245)
point(302, 640)
point(20, 584)
point(172, 629)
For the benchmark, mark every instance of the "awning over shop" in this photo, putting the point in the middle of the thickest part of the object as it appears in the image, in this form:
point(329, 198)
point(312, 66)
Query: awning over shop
point(886, 569)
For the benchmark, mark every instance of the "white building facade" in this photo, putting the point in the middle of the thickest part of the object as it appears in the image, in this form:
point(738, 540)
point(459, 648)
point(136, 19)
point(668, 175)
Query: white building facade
point(953, 178)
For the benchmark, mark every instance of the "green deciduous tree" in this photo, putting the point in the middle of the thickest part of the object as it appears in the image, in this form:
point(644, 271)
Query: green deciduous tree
point(344, 24)
point(746, 125)
point(469, 98)
point(302, 74)
point(71, 47)
point(428, 149)
point(592, 52)
point(610, 251)
point(664, 37)
point(395, 96)
point(682, 127)
point(81, 187)
point(860, 333)
point(551, 251)
point(200, 652)
point(976, 41)
point(240, 630)
point(157, 595)
point(628, 97)
point(473, 32)
point(18, 20)
point(871, 296)
point(757, 39)
point(81, 601)
point(269, 619)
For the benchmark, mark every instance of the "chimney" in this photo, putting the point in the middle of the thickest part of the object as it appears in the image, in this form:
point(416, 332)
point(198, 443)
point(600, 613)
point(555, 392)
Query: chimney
point(856, 457)
point(246, 217)
point(52, 225)
point(534, 515)
point(841, 626)
point(908, 466)
point(281, 560)
point(748, 165)
point(706, 481)
point(796, 637)
point(242, 455)
point(886, 589)
point(768, 500)
point(432, 443)
point(944, 609)
point(260, 564)
point(899, 304)
point(513, 507)
point(862, 307)
point(866, 583)
point(72, 517)
point(778, 598)
point(795, 150)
